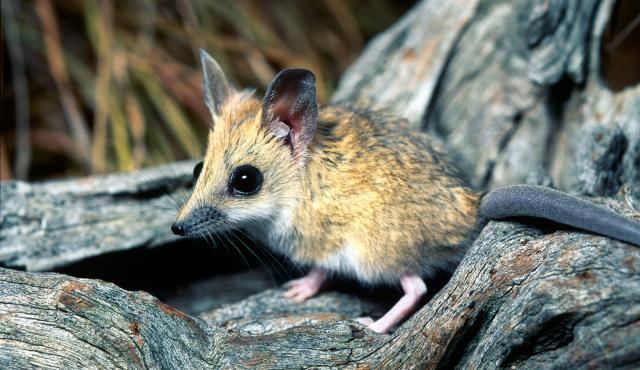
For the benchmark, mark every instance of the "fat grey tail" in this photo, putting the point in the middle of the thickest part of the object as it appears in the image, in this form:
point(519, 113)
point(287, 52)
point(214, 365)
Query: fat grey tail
point(554, 205)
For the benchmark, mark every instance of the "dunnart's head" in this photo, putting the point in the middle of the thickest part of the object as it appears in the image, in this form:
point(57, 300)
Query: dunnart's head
point(251, 170)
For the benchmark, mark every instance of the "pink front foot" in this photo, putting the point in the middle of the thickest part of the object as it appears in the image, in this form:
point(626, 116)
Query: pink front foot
point(301, 289)
point(414, 289)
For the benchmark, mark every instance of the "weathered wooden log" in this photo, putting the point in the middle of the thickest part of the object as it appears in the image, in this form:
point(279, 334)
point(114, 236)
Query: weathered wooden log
point(513, 88)
point(523, 297)
point(47, 225)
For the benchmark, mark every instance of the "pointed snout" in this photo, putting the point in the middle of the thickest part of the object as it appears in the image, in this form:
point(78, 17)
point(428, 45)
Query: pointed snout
point(203, 218)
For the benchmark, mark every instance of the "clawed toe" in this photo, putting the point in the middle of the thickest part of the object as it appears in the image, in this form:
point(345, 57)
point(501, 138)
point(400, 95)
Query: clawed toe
point(364, 320)
point(373, 325)
point(299, 292)
point(300, 289)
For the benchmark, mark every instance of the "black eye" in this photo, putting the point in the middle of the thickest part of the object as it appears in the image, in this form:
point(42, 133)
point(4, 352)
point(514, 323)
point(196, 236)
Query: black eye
point(245, 180)
point(196, 171)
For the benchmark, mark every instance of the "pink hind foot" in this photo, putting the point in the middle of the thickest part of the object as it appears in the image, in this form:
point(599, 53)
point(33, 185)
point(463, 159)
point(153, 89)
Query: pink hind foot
point(414, 289)
point(301, 289)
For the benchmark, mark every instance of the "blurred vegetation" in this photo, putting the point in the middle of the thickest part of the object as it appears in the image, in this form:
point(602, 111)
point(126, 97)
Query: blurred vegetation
point(105, 85)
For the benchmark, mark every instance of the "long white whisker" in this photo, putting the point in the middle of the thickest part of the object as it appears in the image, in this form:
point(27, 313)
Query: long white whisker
point(239, 251)
point(269, 254)
point(257, 257)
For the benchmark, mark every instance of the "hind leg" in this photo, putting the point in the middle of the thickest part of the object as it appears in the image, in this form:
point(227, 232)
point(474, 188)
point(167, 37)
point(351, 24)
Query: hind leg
point(414, 290)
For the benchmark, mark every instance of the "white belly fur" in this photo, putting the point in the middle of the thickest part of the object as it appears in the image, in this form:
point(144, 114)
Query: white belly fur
point(344, 261)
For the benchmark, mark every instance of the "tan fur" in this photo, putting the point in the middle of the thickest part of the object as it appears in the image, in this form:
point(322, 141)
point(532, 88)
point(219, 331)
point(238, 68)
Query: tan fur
point(372, 199)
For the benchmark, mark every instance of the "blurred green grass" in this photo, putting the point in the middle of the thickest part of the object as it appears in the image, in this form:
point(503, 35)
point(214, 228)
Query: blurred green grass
point(107, 85)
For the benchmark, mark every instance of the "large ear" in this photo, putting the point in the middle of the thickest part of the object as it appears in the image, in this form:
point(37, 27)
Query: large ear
point(216, 87)
point(290, 109)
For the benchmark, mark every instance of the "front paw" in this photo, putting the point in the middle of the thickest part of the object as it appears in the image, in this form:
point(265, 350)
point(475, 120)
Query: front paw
point(300, 289)
point(303, 288)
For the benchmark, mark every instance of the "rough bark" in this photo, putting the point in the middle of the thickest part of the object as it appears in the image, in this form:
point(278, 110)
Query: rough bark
point(513, 88)
point(523, 297)
point(205, 295)
point(47, 225)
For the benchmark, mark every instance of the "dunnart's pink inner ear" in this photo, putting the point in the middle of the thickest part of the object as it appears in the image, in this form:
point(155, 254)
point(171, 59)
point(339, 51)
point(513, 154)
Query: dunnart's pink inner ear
point(283, 111)
point(290, 109)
